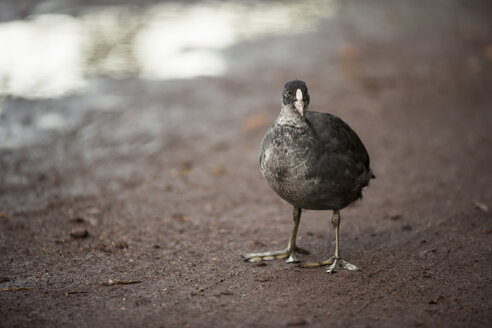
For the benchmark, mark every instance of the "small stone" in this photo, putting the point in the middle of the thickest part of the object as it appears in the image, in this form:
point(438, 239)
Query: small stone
point(121, 244)
point(436, 300)
point(78, 219)
point(226, 292)
point(79, 233)
point(181, 216)
point(296, 322)
point(4, 279)
point(263, 279)
point(406, 227)
point(93, 210)
point(395, 217)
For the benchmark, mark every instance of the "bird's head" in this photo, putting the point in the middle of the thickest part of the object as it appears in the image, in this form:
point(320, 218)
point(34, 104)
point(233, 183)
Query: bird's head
point(295, 95)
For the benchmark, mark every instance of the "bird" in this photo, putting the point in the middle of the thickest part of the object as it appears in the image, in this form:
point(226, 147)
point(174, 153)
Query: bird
point(314, 161)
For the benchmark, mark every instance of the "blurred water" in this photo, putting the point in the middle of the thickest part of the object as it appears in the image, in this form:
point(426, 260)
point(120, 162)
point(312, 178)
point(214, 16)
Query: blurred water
point(51, 55)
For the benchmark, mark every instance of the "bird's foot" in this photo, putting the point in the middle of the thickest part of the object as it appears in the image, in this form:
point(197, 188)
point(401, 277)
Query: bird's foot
point(335, 264)
point(272, 255)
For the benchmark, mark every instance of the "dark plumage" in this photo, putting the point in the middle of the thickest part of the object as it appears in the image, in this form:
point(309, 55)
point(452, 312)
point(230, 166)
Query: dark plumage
point(312, 160)
point(315, 161)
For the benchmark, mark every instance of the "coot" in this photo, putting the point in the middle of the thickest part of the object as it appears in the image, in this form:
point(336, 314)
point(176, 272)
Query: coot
point(313, 161)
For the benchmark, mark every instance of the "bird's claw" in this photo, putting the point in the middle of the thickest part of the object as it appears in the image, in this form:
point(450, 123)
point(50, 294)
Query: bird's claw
point(338, 264)
point(272, 255)
point(335, 264)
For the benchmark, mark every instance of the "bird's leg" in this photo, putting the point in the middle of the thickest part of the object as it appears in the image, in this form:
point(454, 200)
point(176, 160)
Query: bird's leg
point(335, 262)
point(289, 252)
point(291, 246)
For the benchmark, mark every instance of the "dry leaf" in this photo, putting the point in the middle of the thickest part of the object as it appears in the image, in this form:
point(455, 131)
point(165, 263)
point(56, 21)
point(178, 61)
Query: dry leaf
point(182, 217)
point(183, 171)
point(481, 206)
point(218, 170)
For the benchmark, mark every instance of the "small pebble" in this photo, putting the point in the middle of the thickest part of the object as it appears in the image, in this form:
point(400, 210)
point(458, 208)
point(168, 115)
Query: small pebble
point(296, 322)
point(78, 219)
point(227, 292)
point(121, 244)
point(79, 233)
point(406, 227)
point(4, 279)
point(436, 300)
point(395, 217)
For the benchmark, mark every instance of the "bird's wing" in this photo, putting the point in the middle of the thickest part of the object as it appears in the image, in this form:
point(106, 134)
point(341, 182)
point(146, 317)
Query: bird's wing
point(338, 137)
point(345, 156)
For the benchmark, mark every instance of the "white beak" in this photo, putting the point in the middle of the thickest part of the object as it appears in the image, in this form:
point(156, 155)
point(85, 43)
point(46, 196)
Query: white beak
point(299, 103)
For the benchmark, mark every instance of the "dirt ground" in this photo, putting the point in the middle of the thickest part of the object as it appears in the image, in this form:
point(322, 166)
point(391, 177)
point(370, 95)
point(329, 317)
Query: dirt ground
point(166, 183)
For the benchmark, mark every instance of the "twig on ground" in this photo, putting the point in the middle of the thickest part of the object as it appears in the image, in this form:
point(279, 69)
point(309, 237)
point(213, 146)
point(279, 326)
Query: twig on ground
point(14, 289)
point(112, 282)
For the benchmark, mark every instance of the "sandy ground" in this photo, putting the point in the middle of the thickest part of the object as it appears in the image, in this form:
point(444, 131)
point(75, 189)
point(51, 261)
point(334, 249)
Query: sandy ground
point(165, 181)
